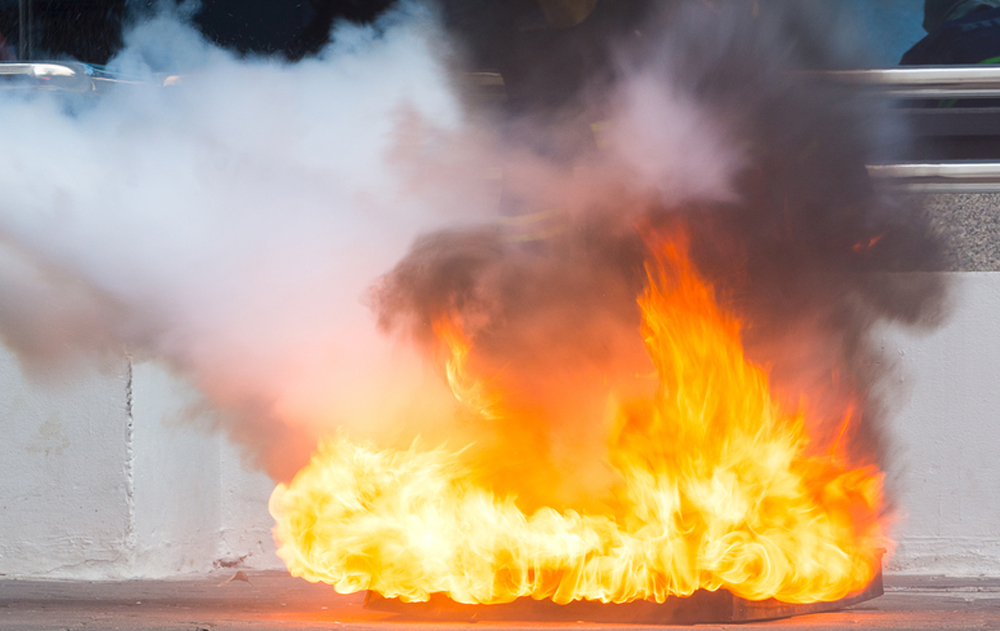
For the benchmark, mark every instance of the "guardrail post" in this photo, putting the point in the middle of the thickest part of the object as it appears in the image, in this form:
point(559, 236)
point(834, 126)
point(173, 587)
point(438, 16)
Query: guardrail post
point(24, 30)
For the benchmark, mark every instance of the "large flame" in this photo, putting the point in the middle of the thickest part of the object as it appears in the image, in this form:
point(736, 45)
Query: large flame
point(719, 487)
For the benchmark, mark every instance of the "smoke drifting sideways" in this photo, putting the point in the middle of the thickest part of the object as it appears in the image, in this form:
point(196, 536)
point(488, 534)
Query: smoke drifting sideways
point(230, 224)
point(285, 234)
point(706, 115)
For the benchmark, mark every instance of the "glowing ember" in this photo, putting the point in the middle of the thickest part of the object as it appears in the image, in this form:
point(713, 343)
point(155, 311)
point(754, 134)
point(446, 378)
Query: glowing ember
point(719, 488)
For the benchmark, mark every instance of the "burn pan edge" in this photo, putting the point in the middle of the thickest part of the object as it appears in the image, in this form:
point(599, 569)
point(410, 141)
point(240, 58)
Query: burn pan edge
point(702, 607)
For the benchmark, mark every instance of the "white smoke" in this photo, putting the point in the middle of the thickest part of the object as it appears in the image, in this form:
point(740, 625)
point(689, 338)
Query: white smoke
point(232, 222)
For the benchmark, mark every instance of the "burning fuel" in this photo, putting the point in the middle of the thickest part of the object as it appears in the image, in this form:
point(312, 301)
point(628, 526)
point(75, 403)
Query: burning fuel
point(674, 390)
point(717, 487)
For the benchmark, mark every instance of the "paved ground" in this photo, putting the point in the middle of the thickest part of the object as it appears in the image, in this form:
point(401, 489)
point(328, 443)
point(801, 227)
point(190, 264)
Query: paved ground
point(276, 601)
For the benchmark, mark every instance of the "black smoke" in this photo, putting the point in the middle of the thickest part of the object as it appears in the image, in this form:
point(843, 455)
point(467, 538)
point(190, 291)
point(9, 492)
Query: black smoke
point(800, 244)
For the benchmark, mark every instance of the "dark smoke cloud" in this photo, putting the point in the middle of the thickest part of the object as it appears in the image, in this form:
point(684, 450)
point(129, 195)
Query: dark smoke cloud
point(772, 190)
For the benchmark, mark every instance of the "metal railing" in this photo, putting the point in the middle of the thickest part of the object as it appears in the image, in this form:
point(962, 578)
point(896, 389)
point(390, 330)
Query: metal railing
point(57, 75)
point(945, 83)
point(24, 35)
point(66, 76)
point(925, 82)
point(940, 177)
point(928, 82)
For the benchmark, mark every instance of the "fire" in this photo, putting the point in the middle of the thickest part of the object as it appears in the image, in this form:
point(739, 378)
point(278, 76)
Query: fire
point(467, 390)
point(719, 487)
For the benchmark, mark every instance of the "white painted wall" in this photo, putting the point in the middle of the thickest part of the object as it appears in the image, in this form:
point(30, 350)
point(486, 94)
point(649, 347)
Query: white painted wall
point(948, 438)
point(64, 479)
point(177, 477)
point(113, 474)
point(197, 507)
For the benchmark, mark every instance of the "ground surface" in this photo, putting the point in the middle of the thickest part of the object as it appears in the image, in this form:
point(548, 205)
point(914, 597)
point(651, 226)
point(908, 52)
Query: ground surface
point(276, 601)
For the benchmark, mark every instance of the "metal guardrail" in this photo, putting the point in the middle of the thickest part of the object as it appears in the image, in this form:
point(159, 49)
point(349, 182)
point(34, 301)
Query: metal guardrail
point(66, 76)
point(70, 76)
point(928, 82)
point(922, 83)
point(940, 177)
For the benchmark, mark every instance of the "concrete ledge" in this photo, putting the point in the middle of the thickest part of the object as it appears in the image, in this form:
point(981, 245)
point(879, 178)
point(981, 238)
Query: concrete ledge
point(957, 556)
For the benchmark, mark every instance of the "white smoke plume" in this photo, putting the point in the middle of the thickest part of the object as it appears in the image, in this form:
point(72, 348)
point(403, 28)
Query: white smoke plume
point(231, 223)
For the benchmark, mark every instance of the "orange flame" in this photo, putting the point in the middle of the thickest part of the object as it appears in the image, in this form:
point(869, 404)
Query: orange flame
point(716, 490)
point(467, 389)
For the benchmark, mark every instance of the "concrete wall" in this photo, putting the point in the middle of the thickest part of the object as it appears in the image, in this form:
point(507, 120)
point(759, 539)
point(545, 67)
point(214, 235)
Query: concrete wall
point(948, 438)
point(113, 475)
point(66, 506)
point(109, 476)
point(196, 507)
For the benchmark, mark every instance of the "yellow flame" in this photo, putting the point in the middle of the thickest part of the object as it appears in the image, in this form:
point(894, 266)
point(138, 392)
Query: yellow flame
point(717, 490)
point(466, 388)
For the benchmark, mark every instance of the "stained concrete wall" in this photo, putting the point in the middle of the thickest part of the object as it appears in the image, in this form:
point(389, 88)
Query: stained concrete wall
point(113, 475)
point(65, 481)
point(197, 506)
point(947, 435)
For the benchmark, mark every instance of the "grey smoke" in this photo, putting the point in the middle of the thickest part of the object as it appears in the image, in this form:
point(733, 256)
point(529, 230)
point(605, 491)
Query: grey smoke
point(719, 122)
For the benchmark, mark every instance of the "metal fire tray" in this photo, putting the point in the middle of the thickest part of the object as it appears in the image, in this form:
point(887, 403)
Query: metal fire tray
point(702, 607)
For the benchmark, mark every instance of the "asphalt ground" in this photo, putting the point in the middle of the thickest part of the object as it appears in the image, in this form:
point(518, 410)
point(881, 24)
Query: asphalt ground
point(274, 600)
